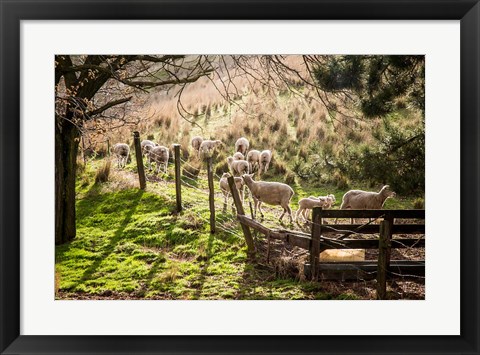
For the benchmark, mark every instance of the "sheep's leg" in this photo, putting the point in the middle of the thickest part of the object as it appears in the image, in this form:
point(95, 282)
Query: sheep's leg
point(260, 208)
point(284, 211)
point(299, 213)
point(225, 202)
point(289, 210)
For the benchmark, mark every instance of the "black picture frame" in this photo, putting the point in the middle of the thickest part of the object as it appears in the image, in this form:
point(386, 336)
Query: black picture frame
point(12, 12)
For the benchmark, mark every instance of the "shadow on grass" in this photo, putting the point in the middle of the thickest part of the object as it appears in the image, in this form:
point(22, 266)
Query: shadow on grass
point(204, 267)
point(117, 237)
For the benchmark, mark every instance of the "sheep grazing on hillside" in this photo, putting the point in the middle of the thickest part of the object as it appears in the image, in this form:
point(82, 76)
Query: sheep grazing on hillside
point(238, 156)
point(147, 146)
point(237, 167)
point(241, 145)
point(366, 200)
point(272, 193)
point(253, 158)
point(225, 188)
point(196, 142)
point(314, 201)
point(265, 159)
point(207, 147)
point(159, 155)
point(121, 152)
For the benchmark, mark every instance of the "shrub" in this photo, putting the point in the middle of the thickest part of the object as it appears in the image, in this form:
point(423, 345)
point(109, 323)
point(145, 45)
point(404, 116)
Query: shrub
point(419, 203)
point(103, 172)
point(289, 178)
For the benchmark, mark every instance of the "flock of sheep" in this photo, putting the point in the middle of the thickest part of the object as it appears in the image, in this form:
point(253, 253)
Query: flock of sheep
point(277, 193)
point(243, 164)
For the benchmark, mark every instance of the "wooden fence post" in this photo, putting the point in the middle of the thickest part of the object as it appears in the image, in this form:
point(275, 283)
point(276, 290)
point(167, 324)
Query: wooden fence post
point(240, 211)
point(138, 155)
point(211, 195)
point(108, 147)
point(178, 185)
point(384, 248)
point(315, 247)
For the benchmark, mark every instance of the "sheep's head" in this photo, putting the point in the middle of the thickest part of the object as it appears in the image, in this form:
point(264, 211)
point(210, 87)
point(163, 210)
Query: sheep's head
point(230, 160)
point(225, 176)
point(247, 178)
point(332, 198)
point(238, 156)
point(147, 148)
point(387, 192)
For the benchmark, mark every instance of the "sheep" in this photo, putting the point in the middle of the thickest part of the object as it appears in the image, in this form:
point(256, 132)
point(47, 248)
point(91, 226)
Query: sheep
point(238, 156)
point(225, 188)
point(196, 142)
point(272, 193)
point(366, 200)
point(147, 146)
point(321, 201)
point(160, 156)
point(253, 158)
point(207, 147)
point(241, 145)
point(306, 204)
point(121, 152)
point(239, 167)
point(265, 159)
point(330, 200)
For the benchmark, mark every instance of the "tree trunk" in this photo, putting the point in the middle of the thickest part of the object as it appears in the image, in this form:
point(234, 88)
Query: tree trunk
point(67, 138)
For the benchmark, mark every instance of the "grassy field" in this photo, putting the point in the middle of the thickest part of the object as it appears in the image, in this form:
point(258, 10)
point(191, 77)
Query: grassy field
point(131, 244)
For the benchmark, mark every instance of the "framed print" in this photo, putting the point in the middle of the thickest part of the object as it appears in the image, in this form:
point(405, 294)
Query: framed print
point(123, 229)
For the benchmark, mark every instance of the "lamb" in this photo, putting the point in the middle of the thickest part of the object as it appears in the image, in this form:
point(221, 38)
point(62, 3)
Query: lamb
point(320, 201)
point(196, 142)
point(366, 200)
point(160, 156)
point(225, 188)
point(272, 193)
point(239, 167)
point(207, 147)
point(238, 156)
point(253, 158)
point(265, 159)
point(121, 152)
point(241, 145)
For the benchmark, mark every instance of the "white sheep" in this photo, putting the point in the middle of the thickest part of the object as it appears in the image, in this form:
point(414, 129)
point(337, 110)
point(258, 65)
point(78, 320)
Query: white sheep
point(306, 204)
point(207, 147)
point(241, 145)
point(253, 158)
point(160, 156)
point(196, 142)
point(272, 193)
point(238, 167)
point(147, 146)
point(265, 159)
point(238, 156)
point(225, 188)
point(121, 152)
point(366, 200)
